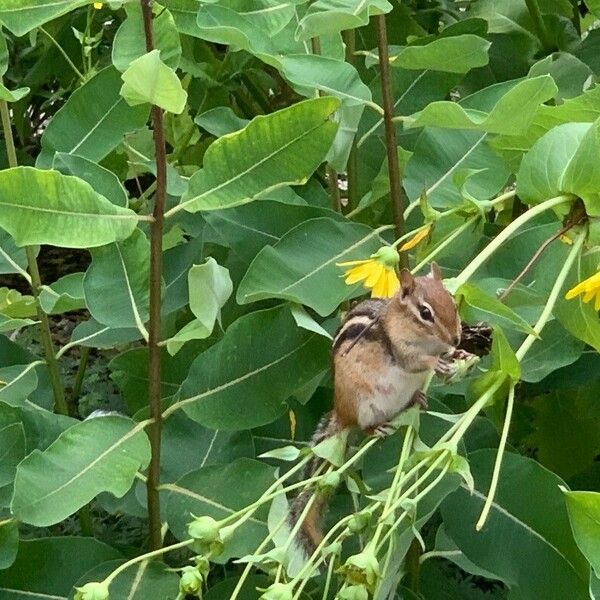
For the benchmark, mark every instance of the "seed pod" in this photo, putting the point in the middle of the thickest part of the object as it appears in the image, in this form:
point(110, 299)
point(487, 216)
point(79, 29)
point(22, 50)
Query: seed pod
point(92, 591)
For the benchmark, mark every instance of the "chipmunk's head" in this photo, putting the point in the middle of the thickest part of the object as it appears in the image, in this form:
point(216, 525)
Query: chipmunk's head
point(430, 309)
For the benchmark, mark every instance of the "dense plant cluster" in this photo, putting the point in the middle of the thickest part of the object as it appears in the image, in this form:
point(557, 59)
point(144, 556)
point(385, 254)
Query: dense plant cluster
point(217, 180)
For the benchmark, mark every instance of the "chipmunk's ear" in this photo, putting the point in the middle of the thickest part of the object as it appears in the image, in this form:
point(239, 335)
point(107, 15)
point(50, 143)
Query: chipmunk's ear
point(435, 271)
point(407, 282)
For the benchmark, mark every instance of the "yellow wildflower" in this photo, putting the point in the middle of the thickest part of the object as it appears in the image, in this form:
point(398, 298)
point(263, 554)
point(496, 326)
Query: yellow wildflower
point(419, 236)
point(590, 288)
point(378, 273)
point(565, 239)
point(98, 5)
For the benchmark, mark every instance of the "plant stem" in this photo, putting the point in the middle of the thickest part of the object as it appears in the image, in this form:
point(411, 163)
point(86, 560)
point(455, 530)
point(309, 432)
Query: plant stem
point(349, 37)
point(85, 521)
point(60, 405)
point(334, 189)
point(397, 194)
point(156, 230)
point(538, 23)
point(83, 360)
point(468, 272)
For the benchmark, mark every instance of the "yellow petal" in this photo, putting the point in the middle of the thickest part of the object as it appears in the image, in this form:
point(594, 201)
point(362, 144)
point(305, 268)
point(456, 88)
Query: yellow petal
point(377, 272)
point(565, 239)
point(588, 295)
point(597, 303)
point(393, 284)
point(98, 5)
point(575, 291)
point(379, 287)
point(420, 235)
point(352, 263)
point(358, 274)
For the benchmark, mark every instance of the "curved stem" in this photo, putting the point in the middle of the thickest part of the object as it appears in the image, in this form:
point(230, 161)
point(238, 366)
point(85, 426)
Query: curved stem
point(468, 272)
point(538, 23)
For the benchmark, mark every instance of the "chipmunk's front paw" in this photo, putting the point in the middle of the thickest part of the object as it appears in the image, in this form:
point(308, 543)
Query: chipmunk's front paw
point(384, 430)
point(420, 398)
point(444, 368)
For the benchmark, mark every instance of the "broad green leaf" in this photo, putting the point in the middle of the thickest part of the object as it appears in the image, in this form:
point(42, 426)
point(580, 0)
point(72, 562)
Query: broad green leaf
point(92, 122)
point(577, 317)
point(95, 335)
point(251, 390)
point(476, 305)
point(217, 492)
point(584, 515)
point(570, 74)
point(512, 114)
point(46, 207)
point(142, 581)
point(309, 73)
point(17, 382)
point(304, 320)
point(14, 95)
point(57, 562)
point(279, 149)
point(176, 263)
point(21, 16)
point(209, 287)
point(330, 16)
point(503, 356)
point(12, 258)
point(220, 121)
point(116, 283)
point(105, 182)
point(439, 154)
point(10, 324)
point(94, 456)
point(12, 452)
point(457, 54)
point(9, 543)
point(247, 229)
point(16, 305)
point(555, 349)
point(148, 80)
point(307, 273)
point(526, 541)
point(63, 295)
point(130, 42)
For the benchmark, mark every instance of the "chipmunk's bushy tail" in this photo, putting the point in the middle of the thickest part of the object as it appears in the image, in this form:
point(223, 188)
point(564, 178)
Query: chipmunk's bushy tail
point(310, 534)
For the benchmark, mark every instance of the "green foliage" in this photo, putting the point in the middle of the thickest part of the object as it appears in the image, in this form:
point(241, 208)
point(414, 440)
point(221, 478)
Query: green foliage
point(217, 311)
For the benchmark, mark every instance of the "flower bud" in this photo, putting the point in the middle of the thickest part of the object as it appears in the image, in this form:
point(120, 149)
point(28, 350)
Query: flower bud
point(354, 592)
point(92, 591)
point(329, 482)
point(278, 591)
point(359, 521)
point(387, 256)
point(202, 564)
point(190, 581)
point(361, 569)
point(204, 529)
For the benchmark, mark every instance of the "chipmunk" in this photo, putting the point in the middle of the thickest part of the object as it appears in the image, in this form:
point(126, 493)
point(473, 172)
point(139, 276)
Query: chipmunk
point(383, 352)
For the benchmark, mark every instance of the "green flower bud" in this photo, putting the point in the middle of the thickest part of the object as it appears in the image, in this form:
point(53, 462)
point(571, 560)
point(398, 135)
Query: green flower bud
point(190, 581)
point(359, 521)
point(361, 569)
point(278, 591)
point(92, 591)
point(388, 256)
point(204, 529)
point(329, 482)
point(354, 592)
point(334, 548)
point(202, 564)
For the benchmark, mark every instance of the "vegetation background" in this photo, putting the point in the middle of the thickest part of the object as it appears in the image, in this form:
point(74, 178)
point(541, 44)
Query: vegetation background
point(179, 183)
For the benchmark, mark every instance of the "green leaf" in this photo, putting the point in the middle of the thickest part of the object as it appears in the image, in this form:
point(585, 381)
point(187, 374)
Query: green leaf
point(220, 120)
point(9, 543)
point(216, 492)
point(95, 335)
point(249, 391)
point(149, 80)
point(512, 114)
point(209, 289)
point(47, 568)
point(10, 324)
point(116, 283)
point(439, 154)
point(63, 295)
point(584, 515)
point(331, 16)
point(311, 276)
point(476, 305)
point(92, 122)
point(12, 452)
point(503, 356)
point(17, 382)
point(46, 207)
point(15, 304)
point(456, 54)
point(309, 73)
point(130, 42)
point(12, 258)
point(526, 541)
point(22, 16)
point(279, 149)
point(13, 96)
point(94, 456)
point(103, 181)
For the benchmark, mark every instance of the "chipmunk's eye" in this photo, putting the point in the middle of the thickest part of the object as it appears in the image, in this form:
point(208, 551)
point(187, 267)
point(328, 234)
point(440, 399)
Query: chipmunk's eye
point(425, 313)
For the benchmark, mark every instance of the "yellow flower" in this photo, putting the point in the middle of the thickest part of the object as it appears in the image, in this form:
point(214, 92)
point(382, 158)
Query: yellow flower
point(378, 273)
point(589, 287)
point(98, 5)
point(420, 235)
point(565, 239)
